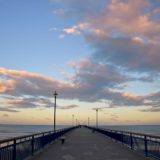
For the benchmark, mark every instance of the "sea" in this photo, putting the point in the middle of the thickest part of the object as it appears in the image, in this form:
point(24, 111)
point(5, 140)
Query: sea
point(144, 129)
point(11, 131)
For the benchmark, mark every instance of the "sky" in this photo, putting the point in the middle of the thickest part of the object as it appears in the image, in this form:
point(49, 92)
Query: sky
point(97, 54)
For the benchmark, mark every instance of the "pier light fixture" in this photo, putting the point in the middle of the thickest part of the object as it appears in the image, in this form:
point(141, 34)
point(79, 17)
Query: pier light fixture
point(72, 119)
point(76, 122)
point(55, 96)
point(97, 117)
point(88, 121)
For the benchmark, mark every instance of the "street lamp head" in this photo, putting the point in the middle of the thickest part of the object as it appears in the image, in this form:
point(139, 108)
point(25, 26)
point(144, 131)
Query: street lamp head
point(55, 93)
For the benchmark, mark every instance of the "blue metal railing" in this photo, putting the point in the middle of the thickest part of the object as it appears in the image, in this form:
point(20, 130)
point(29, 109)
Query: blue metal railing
point(22, 147)
point(149, 145)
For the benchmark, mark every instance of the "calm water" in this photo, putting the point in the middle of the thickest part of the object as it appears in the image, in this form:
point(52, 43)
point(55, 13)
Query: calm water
point(8, 131)
point(146, 129)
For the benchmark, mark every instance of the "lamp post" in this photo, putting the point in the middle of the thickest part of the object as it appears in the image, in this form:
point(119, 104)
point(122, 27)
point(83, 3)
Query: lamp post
point(55, 96)
point(88, 121)
point(97, 117)
point(76, 122)
point(72, 119)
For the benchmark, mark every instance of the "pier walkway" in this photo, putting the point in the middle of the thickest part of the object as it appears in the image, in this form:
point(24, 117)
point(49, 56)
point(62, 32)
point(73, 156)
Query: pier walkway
point(82, 144)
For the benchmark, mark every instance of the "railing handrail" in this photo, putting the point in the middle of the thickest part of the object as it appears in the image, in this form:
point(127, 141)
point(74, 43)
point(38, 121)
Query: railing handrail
point(29, 135)
point(128, 132)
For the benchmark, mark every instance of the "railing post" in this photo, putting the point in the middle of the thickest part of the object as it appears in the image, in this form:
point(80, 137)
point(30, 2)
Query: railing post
point(14, 150)
point(32, 145)
point(43, 143)
point(122, 137)
point(0, 152)
point(145, 145)
point(131, 139)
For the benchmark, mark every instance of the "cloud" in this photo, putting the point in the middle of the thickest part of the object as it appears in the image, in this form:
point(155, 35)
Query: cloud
point(5, 115)
point(110, 105)
point(21, 103)
point(61, 36)
point(101, 109)
point(72, 8)
point(114, 116)
point(18, 83)
point(114, 119)
point(31, 102)
point(77, 29)
point(98, 75)
point(124, 38)
point(127, 53)
point(86, 84)
point(131, 36)
point(153, 109)
point(128, 18)
point(7, 109)
point(123, 33)
point(91, 82)
point(60, 11)
point(68, 107)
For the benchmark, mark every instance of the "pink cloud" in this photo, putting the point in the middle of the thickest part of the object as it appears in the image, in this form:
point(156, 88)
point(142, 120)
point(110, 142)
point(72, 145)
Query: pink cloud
point(128, 18)
point(91, 82)
point(22, 82)
point(86, 84)
point(124, 33)
point(77, 29)
point(7, 86)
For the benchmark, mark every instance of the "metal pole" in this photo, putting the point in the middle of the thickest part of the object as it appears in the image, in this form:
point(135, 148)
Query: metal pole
point(76, 122)
point(14, 150)
point(145, 146)
point(88, 121)
point(97, 118)
point(72, 119)
point(32, 145)
point(131, 139)
point(55, 96)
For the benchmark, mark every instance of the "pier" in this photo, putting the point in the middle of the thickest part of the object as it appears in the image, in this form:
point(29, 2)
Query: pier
point(82, 143)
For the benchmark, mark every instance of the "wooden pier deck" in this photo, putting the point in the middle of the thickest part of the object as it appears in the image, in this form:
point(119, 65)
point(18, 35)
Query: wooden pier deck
point(82, 144)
